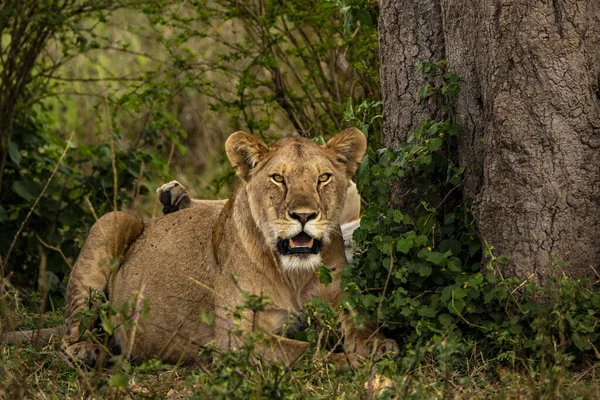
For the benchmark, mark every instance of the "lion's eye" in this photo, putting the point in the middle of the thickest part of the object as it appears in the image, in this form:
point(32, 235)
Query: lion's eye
point(324, 178)
point(277, 178)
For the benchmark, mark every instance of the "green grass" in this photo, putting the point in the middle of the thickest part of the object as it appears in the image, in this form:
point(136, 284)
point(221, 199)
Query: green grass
point(43, 371)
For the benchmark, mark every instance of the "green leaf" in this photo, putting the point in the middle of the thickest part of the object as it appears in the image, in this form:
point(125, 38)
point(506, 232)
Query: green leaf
point(369, 300)
point(366, 223)
point(427, 312)
point(425, 269)
point(450, 245)
point(435, 144)
point(454, 129)
point(420, 240)
point(434, 257)
point(446, 319)
point(397, 216)
point(3, 215)
point(13, 152)
point(119, 380)
point(23, 190)
point(424, 92)
point(459, 305)
point(207, 318)
point(324, 274)
point(580, 342)
point(449, 219)
point(404, 245)
point(454, 264)
point(459, 292)
point(107, 326)
point(516, 329)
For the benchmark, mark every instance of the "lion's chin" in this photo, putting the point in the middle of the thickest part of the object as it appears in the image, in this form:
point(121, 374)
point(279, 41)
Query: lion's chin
point(300, 262)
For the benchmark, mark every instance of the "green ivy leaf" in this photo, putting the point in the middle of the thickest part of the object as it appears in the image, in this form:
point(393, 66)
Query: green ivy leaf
point(454, 264)
point(449, 219)
point(446, 319)
point(324, 273)
point(451, 245)
point(425, 269)
point(397, 216)
point(435, 144)
point(427, 312)
point(369, 300)
point(581, 343)
point(404, 245)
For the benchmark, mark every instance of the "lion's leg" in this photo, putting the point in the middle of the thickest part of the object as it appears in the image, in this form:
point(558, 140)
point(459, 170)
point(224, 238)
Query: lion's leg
point(274, 348)
point(363, 341)
point(107, 241)
point(174, 197)
point(279, 348)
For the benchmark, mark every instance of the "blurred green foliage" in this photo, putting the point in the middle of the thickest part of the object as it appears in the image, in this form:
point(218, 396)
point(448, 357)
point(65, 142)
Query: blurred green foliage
point(270, 68)
point(62, 215)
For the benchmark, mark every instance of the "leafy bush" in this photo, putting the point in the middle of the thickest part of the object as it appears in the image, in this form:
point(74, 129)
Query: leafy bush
point(419, 273)
point(81, 187)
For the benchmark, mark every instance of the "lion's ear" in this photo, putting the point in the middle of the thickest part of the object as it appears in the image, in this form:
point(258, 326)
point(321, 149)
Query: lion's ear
point(349, 147)
point(244, 152)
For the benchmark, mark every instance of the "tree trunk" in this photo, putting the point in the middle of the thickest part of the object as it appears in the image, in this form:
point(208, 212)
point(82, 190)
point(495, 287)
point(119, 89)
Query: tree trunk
point(410, 31)
point(530, 111)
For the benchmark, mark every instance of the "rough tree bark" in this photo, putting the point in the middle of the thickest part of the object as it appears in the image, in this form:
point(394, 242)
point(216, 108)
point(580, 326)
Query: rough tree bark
point(530, 111)
point(409, 31)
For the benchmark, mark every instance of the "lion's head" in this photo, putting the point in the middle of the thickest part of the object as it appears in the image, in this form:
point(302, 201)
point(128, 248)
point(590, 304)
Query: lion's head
point(296, 189)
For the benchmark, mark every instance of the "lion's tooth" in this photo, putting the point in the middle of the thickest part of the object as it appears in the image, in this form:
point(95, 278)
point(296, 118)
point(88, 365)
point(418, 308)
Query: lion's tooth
point(292, 244)
point(310, 244)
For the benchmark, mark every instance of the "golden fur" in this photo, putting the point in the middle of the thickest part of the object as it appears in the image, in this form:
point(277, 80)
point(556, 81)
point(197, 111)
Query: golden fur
point(204, 258)
point(175, 197)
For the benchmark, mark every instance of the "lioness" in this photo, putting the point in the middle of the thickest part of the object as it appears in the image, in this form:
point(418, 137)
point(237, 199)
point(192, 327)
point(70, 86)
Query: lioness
point(280, 224)
point(174, 197)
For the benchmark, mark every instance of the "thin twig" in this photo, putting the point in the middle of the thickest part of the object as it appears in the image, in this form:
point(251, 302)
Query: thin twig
point(14, 241)
point(91, 207)
point(461, 316)
point(58, 249)
point(387, 281)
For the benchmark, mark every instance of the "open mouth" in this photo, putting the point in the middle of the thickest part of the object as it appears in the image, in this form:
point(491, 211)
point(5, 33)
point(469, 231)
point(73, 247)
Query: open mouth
point(299, 244)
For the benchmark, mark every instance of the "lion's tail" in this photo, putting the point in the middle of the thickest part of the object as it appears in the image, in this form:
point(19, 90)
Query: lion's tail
point(100, 255)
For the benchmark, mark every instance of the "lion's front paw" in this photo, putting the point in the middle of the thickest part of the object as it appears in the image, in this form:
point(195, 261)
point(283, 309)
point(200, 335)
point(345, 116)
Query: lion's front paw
point(85, 352)
point(174, 197)
point(379, 347)
point(342, 360)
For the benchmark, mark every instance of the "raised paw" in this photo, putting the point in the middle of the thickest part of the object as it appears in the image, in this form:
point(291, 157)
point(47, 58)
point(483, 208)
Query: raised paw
point(174, 197)
point(84, 352)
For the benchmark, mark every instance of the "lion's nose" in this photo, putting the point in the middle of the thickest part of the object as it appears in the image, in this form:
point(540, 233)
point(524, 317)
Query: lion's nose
point(304, 217)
